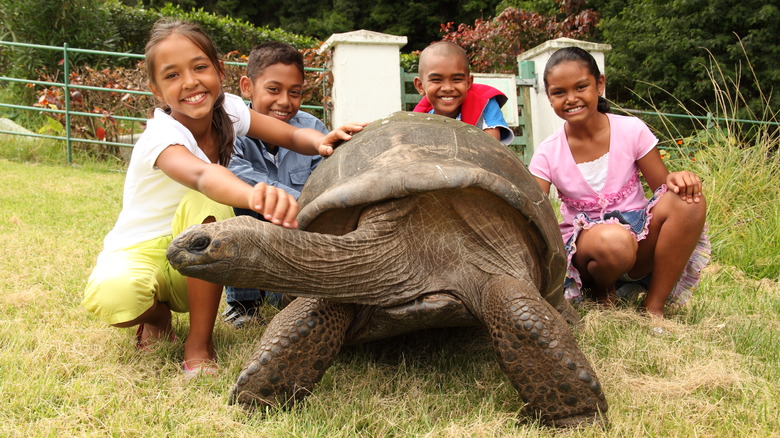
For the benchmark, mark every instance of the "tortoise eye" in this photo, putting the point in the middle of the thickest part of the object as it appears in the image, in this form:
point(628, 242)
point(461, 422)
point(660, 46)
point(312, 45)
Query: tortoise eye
point(201, 243)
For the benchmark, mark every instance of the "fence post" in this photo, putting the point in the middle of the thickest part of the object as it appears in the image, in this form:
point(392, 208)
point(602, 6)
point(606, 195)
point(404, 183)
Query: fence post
point(544, 121)
point(365, 75)
point(66, 91)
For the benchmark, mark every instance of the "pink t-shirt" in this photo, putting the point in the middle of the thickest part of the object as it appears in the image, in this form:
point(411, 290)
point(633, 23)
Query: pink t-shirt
point(630, 140)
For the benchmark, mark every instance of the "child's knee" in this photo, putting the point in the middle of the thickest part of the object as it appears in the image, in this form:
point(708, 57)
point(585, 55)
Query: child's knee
point(196, 208)
point(614, 246)
point(692, 214)
point(617, 239)
point(115, 299)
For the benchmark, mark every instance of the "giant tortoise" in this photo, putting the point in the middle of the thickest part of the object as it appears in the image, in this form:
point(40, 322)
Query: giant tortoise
point(419, 221)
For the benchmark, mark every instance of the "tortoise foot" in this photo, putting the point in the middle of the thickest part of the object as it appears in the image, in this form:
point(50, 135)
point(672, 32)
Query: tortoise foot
point(295, 351)
point(537, 350)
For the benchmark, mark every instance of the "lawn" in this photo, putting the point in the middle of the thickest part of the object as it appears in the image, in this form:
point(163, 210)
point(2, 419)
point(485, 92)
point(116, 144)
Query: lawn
point(711, 369)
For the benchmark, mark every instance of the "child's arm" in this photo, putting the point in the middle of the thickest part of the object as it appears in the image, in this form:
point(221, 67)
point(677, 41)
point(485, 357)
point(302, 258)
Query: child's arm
point(305, 141)
point(686, 184)
point(219, 184)
point(545, 185)
point(494, 132)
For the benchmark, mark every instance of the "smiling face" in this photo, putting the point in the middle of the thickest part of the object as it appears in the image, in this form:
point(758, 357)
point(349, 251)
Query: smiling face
point(186, 79)
point(444, 78)
point(573, 90)
point(276, 92)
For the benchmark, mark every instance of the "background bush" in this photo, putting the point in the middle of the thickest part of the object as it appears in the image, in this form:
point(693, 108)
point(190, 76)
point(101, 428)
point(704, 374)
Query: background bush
point(661, 50)
point(110, 26)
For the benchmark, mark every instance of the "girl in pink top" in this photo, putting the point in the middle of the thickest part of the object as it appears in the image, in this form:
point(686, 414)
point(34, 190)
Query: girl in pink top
point(614, 235)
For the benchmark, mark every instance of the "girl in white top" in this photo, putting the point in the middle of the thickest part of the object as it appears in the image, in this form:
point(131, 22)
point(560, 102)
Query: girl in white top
point(177, 178)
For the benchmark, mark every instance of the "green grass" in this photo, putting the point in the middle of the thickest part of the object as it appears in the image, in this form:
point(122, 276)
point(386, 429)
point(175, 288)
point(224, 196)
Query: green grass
point(712, 370)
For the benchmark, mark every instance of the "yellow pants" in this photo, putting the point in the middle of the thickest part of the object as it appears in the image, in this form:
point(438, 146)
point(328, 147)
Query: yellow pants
point(124, 284)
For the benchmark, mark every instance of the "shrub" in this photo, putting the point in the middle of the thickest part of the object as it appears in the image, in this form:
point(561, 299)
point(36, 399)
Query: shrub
point(668, 44)
point(739, 164)
point(109, 104)
point(232, 34)
point(80, 23)
point(493, 45)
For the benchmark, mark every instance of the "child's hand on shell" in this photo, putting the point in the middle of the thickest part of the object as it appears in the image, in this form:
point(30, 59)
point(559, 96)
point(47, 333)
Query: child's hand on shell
point(338, 136)
point(276, 205)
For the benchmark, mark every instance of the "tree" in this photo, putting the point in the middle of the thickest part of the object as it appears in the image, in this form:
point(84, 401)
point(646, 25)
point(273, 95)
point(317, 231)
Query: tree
point(417, 19)
point(662, 50)
point(493, 45)
point(80, 23)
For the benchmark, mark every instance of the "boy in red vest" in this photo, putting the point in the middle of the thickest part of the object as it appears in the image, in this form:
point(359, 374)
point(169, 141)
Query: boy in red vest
point(447, 87)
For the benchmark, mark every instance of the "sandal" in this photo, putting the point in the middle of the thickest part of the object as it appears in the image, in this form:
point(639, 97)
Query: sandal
point(208, 368)
point(144, 345)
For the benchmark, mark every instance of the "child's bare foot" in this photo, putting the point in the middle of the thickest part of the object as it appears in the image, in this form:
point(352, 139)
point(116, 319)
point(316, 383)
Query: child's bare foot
point(654, 305)
point(653, 312)
point(197, 355)
point(207, 368)
point(158, 326)
point(609, 299)
point(606, 298)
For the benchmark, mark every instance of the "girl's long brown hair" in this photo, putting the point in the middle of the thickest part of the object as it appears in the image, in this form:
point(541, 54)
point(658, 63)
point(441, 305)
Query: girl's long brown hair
point(220, 119)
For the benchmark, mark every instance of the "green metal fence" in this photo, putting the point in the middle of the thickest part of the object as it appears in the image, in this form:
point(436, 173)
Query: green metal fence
point(523, 143)
point(67, 111)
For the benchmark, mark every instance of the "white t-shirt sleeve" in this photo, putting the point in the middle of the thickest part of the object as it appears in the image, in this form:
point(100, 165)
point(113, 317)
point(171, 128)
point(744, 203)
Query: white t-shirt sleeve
point(163, 131)
point(239, 114)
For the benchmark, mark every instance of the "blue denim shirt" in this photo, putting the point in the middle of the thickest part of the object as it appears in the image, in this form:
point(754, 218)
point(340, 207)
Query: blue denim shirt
point(252, 162)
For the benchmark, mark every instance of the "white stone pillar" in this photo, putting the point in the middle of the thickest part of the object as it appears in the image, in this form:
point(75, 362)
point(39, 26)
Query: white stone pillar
point(366, 75)
point(544, 120)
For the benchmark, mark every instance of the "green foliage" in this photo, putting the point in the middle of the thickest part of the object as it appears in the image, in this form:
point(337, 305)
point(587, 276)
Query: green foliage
point(232, 34)
point(410, 61)
point(547, 7)
point(80, 23)
point(417, 19)
point(668, 45)
point(133, 25)
point(493, 45)
point(109, 26)
point(52, 127)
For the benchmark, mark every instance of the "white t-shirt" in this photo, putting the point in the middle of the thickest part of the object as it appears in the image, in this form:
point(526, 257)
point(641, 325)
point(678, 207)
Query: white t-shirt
point(150, 197)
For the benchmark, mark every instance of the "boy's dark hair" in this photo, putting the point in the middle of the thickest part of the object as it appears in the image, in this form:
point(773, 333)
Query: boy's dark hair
point(579, 55)
point(267, 54)
point(443, 48)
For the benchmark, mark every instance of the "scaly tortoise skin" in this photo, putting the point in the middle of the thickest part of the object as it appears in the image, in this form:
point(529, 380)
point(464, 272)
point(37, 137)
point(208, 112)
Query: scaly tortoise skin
point(419, 221)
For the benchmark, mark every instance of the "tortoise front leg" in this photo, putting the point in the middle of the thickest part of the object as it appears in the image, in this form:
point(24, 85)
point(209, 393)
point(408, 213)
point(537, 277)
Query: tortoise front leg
point(538, 352)
point(296, 349)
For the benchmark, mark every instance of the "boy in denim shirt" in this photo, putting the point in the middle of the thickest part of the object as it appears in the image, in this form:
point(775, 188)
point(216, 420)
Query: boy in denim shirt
point(274, 85)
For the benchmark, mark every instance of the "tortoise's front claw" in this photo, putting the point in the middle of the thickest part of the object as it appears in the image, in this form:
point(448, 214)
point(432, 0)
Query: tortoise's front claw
point(590, 419)
point(536, 349)
point(296, 349)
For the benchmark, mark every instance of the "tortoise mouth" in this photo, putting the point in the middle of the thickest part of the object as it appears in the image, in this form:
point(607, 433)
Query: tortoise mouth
point(192, 264)
point(190, 253)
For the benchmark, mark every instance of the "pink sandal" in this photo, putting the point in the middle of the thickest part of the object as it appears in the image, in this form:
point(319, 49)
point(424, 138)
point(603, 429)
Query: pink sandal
point(205, 369)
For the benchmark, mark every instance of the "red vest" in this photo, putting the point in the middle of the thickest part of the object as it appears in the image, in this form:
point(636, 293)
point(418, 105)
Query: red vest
point(473, 105)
